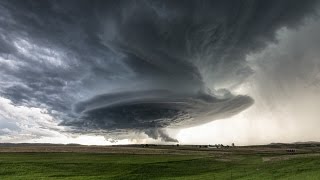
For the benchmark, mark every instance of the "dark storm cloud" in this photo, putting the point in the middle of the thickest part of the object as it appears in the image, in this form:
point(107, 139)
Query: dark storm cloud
point(136, 65)
point(159, 133)
point(156, 108)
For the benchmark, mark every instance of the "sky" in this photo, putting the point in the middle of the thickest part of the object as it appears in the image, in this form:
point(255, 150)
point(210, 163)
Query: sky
point(190, 72)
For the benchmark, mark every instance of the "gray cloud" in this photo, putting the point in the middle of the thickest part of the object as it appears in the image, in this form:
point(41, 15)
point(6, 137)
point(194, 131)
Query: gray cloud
point(160, 133)
point(136, 65)
point(159, 108)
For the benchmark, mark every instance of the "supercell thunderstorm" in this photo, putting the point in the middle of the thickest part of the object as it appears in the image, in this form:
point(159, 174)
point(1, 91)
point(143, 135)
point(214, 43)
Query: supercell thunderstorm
point(118, 66)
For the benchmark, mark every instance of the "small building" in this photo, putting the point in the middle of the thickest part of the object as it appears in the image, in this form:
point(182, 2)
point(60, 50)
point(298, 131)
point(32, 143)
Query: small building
point(291, 150)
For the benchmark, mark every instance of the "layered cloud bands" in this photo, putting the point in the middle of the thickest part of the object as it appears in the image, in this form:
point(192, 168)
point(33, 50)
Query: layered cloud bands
point(149, 109)
point(103, 66)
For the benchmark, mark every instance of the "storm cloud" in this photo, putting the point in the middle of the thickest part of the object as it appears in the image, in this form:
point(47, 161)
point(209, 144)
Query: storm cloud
point(136, 65)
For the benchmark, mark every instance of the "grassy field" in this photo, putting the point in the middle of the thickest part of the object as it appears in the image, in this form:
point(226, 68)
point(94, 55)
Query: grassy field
point(205, 165)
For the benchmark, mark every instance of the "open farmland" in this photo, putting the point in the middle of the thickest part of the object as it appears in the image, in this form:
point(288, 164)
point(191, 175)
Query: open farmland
point(158, 162)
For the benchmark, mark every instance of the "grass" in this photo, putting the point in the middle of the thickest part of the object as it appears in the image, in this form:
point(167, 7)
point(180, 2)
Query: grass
point(126, 166)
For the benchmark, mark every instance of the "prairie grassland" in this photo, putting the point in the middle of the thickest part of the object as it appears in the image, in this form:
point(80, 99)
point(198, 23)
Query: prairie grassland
point(169, 163)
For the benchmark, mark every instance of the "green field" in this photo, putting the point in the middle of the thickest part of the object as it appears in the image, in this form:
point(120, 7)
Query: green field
point(133, 166)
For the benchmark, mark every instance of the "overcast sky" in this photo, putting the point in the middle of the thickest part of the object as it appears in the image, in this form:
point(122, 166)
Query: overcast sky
point(104, 72)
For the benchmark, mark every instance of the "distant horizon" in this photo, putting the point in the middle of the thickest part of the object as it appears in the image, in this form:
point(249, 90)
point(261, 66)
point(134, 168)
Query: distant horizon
point(167, 144)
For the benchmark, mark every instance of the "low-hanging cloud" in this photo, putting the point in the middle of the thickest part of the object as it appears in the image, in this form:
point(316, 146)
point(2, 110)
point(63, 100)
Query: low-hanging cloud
point(155, 109)
point(135, 65)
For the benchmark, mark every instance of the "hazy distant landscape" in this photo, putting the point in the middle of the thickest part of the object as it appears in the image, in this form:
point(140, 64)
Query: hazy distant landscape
point(49, 161)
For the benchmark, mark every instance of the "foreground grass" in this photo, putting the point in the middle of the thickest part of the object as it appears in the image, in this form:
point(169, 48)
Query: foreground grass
point(122, 166)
